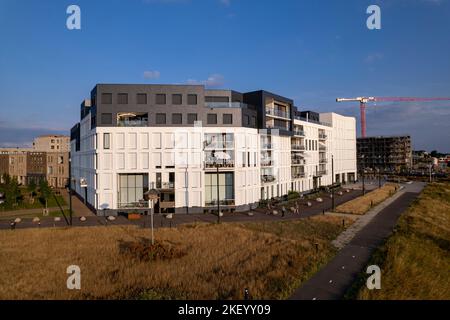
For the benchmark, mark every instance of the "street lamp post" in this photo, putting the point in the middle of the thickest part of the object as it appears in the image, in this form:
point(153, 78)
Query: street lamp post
point(362, 173)
point(70, 190)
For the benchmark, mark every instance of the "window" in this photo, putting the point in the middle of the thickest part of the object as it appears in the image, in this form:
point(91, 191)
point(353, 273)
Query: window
point(106, 141)
point(106, 98)
point(141, 98)
point(212, 118)
point(106, 118)
point(192, 99)
point(60, 159)
point(122, 98)
point(227, 118)
point(177, 118)
point(160, 118)
point(192, 117)
point(160, 98)
point(226, 188)
point(177, 99)
point(131, 189)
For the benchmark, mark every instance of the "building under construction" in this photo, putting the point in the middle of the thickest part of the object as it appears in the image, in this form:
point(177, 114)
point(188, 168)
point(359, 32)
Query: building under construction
point(387, 154)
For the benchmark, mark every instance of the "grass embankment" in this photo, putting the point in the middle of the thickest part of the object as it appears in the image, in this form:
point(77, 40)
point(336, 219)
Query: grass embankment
point(13, 215)
point(25, 202)
point(364, 203)
point(211, 261)
point(415, 260)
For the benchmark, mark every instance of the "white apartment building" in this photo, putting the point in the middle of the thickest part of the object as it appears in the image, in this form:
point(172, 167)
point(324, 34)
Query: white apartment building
point(198, 146)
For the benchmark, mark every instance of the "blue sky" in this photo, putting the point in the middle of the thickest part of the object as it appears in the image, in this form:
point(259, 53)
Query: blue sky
point(311, 51)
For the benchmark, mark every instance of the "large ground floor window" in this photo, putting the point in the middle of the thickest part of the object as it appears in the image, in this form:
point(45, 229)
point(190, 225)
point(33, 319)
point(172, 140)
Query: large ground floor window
point(226, 188)
point(131, 190)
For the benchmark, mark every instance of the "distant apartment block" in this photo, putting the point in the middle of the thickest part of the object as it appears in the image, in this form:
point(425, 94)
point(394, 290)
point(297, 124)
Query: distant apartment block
point(179, 138)
point(388, 154)
point(48, 159)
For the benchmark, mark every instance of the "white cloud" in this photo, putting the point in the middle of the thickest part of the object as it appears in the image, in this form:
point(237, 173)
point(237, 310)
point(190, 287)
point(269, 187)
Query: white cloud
point(151, 74)
point(214, 80)
point(373, 57)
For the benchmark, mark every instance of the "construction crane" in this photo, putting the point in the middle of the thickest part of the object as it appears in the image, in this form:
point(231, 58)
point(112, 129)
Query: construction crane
point(363, 100)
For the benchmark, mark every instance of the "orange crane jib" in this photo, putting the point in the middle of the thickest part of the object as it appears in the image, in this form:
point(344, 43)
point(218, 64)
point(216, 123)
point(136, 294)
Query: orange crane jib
point(363, 100)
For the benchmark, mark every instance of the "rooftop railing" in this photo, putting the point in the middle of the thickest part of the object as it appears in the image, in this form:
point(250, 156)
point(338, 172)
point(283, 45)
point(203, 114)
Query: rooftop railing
point(278, 113)
point(236, 105)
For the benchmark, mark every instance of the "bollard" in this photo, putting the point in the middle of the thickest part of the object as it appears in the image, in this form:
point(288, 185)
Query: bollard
point(246, 294)
point(39, 224)
point(13, 225)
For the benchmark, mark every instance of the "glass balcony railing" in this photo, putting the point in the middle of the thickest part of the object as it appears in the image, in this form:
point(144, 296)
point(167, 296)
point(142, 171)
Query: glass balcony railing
point(278, 113)
point(297, 147)
point(237, 105)
point(322, 136)
point(300, 133)
point(323, 160)
point(300, 162)
point(219, 163)
point(266, 163)
point(267, 146)
point(321, 172)
point(168, 185)
point(265, 178)
point(224, 202)
point(322, 148)
point(298, 175)
point(133, 205)
point(132, 123)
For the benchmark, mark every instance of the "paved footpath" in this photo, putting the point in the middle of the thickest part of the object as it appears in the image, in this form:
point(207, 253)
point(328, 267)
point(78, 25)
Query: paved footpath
point(332, 281)
point(179, 219)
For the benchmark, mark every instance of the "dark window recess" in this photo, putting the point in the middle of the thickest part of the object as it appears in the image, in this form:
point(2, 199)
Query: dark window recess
point(192, 117)
point(122, 98)
point(227, 118)
point(106, 118)
point(217, 99)
point(93, 122)
point(177, 118)
point(160, 118)
point(246, 120)
point(177, 99)
point(192, 99)
point(106, 98)
point(141, 98)
point(253, 124)
point(160, 98)
point(212, 118)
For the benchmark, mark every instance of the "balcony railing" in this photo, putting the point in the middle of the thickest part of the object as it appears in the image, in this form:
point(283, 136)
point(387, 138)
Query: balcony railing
point(276, 127)
point(322, 136)
point(300, 162)
point(267, 146)
point(278, 113)
point(322, 172)
point(323, 160)
point(237, 105)
point(298, 175)
point(132, 123)
point(297, 147)
point(265, 178)
point(266, 162)
point(168, 185)
point(225, 202)
point(133, 205)
point(220, 164)
point(300, 133)
point(322, 148)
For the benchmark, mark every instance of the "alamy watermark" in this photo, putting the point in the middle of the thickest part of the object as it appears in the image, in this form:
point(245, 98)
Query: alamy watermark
point(73, 21)
point(374, 280)
point(374, 20)
point(74, 278)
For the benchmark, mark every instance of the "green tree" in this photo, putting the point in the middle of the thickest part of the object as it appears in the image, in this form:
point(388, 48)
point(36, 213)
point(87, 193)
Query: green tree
point(32, 189)
point(45, 191)
point(12, 192)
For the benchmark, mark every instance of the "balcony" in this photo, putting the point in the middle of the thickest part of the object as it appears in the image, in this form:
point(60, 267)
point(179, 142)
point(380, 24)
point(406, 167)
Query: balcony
point(168, 185)
point(300, 147)
point(322, 148)
point(321, 172)
point(219, 163)
point(299, 133)
point(266, 178)
point(224, 202)
point(270, 126)
point(323, 160)
point(277, 113)
point(267, 146)
point(322, 136)
point(298, 175)
point(298, 162)
point(236, 105)
point(132, 119)
point(266, 163)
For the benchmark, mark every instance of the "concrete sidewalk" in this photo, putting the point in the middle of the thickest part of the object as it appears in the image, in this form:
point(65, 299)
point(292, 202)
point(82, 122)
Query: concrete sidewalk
point(332, 281)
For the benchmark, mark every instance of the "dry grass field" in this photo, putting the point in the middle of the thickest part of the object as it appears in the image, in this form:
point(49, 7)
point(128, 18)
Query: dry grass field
point(210, 261)
point(363, 204)
point(415, 261)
